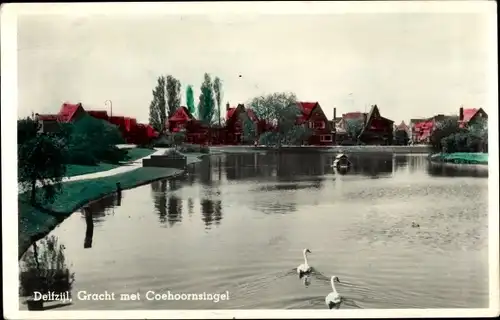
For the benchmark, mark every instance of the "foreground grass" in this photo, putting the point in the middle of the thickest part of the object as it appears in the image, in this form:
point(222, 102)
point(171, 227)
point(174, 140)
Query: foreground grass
point(35, 223)
point(134, 154)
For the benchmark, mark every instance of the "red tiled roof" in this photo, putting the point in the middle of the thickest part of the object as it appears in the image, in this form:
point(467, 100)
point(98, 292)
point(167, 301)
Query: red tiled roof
point(68, 111)
point(181, 114)
point(230, 113)
point(469, 113)
point(252, 115)
point(307, 107)
point(151, 132)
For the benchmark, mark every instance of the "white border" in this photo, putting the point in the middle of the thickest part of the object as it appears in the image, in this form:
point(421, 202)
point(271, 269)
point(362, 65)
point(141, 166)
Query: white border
point(9, 163)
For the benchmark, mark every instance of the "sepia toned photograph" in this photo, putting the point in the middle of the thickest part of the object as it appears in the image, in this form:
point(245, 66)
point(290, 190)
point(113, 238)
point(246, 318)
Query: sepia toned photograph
point(249, 160)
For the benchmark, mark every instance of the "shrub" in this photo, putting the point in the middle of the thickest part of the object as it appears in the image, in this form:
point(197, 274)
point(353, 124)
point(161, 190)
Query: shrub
point(93, 140)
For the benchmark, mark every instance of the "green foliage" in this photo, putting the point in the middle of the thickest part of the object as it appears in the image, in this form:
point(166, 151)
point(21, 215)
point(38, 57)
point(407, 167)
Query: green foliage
point(44, 269)
point(354, 128)
point(93, 140)
point(190, 99)
point(401, 137)
point(206, 105)
point(462, 142)
point(42, 159)
point(173, 88)
point(282, 110)
point(158, 106)
point(442, 130)
point(249, 130)
point(448, 137)
point(27, 129)
point(178, 138)
point(218, 97)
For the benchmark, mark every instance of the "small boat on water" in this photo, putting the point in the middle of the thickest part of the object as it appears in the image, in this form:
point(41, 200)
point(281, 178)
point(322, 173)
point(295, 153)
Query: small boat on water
point(341, 162)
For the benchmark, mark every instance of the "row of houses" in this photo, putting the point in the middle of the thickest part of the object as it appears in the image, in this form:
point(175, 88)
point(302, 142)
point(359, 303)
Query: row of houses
point(374, 129)
point(420, 130)
point(132, 131)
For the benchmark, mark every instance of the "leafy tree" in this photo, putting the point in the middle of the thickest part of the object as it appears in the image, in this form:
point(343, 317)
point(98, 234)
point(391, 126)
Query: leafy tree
point(442, 130)
point(158, 106)
point(281, 110)
point(206, 104)
point(27, 129)
point(218, 97)
point(354, 128)
point(173, 89)
point(401, 137)
point(249, 130)
point(190, 99)
point(93, 140)
point(42, 159)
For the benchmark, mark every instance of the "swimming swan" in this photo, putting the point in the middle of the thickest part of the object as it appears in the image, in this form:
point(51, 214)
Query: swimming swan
point(304, 268)
point(333, 298)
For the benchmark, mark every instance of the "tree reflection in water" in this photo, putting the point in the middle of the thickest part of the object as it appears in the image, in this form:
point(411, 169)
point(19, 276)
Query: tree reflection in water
point(211, 212)
point(43, 268)
point(169, 208)
point(457, 170)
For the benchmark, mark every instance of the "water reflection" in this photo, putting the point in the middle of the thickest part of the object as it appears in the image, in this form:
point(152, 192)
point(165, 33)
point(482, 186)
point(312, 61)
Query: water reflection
point(211, 212)
point(456, 170)
point(372, 165)
point(100, 208)
point(95, 212)
point(43, 269)
point(168, 208)
point(89, 232)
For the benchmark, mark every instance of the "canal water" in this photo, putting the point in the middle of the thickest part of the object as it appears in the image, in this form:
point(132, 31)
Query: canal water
point(237, 224)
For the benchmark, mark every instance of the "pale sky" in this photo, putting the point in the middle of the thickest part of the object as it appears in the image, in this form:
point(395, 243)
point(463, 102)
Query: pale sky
point(409, 64)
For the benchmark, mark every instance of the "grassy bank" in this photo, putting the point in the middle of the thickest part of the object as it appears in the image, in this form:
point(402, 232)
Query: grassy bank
point(134, 154)
point(461, 158)
point(36, 223)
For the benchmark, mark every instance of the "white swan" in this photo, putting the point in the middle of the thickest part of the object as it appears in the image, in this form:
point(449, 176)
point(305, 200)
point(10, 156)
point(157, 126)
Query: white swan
point(333, 298)
point(304, 268)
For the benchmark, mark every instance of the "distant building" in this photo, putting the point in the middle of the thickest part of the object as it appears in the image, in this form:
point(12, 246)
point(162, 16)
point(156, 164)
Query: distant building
point(314, 118)
point(377, 129)
point(469, 116)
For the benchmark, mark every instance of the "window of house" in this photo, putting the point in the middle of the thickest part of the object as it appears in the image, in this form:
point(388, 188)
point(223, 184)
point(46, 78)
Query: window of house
point(319, 125)
point(326, 138)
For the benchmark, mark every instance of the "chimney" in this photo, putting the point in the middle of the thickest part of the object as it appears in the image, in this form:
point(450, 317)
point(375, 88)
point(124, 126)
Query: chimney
point(334, 113)
point(461, 114)
point(227, 106)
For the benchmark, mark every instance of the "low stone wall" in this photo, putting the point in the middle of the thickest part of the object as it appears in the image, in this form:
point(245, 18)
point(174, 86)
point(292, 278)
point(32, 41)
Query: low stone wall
point(176, 162)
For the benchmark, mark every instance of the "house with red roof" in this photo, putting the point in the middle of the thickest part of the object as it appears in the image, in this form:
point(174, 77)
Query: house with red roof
point(235, 121)
point(470, 115)
point(68, 113)
point(313, 116)
point(183, 121)
point(377, 129)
